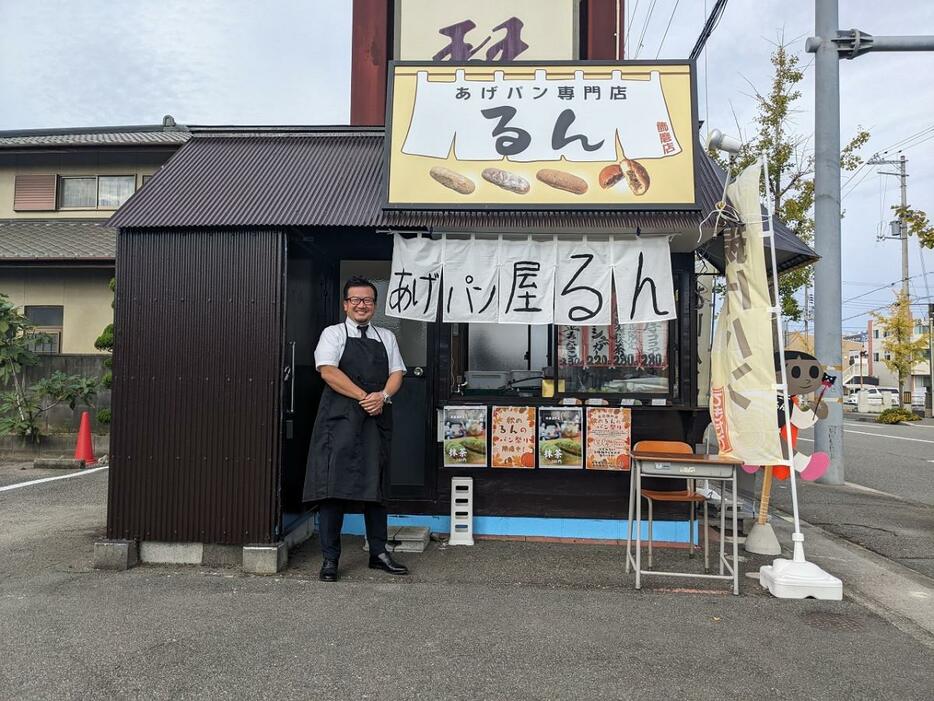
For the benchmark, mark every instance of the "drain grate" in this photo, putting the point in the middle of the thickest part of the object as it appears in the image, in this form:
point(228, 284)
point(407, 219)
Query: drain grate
point(831, 621)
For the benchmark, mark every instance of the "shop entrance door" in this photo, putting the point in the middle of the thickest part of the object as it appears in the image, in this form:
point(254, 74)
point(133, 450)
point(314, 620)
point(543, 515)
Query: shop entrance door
point(409, 477)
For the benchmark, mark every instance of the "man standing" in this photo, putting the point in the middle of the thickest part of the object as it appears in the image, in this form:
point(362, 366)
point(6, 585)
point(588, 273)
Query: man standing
point(348, 459)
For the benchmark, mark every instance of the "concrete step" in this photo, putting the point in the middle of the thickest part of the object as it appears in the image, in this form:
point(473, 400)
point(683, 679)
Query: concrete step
point(406, 539)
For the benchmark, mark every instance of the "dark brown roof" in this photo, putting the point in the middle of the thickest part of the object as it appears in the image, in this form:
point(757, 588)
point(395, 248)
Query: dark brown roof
point(332, 177)
point(56, 240)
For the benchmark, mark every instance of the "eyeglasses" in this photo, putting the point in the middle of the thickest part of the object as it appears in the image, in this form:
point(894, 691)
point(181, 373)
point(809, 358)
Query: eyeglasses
point(361, 301)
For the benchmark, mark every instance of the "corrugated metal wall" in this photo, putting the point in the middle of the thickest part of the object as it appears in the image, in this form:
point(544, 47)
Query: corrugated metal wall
point(196, 394)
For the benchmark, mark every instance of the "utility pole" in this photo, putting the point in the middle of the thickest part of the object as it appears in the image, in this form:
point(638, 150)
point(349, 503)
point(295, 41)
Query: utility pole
point(830, 44)
point(902, 234)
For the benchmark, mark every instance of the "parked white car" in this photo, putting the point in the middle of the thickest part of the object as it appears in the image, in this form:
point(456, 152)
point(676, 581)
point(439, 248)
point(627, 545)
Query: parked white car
point(873, 395)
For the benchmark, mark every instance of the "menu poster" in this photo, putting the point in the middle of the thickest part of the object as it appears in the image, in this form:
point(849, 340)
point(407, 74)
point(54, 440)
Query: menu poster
point(609, 432)
point(559, 437)
point(513, 441)
point(464, 436)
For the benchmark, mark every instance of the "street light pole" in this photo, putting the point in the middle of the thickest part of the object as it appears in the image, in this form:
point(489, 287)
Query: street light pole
point(829, 45)
point(828, 316)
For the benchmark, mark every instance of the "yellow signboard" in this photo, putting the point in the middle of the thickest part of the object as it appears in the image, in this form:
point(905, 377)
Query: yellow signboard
point(541, 135)
point(486, 30)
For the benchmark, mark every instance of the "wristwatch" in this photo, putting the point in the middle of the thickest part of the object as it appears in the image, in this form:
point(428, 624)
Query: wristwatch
point(386, 398)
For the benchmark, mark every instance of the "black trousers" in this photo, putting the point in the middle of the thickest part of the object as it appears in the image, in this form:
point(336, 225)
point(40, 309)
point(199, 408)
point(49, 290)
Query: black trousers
point(331, 520)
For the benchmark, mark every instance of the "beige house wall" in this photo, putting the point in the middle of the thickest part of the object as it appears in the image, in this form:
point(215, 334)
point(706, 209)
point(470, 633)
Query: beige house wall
point(84, 293)
point(7, 179)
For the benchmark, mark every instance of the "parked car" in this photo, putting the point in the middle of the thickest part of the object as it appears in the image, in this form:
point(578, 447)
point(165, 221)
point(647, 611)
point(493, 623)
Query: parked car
point(872, 393)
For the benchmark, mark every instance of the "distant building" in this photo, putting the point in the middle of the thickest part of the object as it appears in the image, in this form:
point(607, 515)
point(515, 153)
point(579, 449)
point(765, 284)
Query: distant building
point(58, 187)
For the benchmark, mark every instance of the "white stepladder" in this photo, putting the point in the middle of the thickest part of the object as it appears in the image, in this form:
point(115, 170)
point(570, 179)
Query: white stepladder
point(461, 511)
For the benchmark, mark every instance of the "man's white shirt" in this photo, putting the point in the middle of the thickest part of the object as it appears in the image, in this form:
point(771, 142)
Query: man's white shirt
point(333, 339)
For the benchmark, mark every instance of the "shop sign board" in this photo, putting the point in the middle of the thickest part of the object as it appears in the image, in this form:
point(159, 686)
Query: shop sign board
point(609, 431)
point(486, 30)
point(527, 135)
point(532, 282)
point(560, 443)
point(513, 437)
point(465, 436)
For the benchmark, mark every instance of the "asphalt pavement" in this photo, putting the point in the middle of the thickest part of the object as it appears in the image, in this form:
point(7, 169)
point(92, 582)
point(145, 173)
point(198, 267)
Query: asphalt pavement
point(512, 620)
point(887, 503)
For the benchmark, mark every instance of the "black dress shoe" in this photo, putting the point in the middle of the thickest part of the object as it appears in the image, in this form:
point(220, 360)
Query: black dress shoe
point(328, 571)
point(386, 563)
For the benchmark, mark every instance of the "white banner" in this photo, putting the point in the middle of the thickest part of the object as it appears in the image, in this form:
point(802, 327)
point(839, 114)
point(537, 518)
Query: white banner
point(644, 286)
point(471, 281)
point(584, 289)
point(570, 283)
point(527, 282)
point(742, 394)
point(415, 281)
point(543, 119)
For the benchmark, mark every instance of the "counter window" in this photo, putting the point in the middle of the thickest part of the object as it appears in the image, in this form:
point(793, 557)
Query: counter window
point(620, 359)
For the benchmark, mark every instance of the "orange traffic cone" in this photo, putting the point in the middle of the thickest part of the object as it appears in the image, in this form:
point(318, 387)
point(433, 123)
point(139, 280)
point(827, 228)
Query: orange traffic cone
point(84, 450)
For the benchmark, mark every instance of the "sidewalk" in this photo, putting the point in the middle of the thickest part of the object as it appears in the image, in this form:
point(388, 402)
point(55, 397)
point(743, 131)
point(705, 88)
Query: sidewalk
point(496, 620)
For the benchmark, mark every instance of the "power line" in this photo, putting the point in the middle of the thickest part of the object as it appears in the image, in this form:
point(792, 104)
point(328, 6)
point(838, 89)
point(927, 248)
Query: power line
point(629, 28)
point(648, 19)
point(711, 24)
point(665, 35)
point(883, 287)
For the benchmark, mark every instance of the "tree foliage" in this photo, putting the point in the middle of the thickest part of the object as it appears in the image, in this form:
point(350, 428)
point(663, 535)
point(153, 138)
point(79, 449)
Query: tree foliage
point(903, 352)
point(21, 405)
point(790, 162)
point(105, 342)
point(918, 224)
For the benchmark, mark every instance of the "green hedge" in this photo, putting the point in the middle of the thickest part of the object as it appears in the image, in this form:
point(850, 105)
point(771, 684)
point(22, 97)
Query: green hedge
point(896, 415)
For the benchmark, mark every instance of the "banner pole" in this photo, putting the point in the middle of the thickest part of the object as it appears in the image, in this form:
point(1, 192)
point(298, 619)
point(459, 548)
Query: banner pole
point(797, 537)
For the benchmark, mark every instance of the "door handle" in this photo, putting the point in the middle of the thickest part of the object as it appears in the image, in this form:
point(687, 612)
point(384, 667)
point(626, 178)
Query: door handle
point(291, 374)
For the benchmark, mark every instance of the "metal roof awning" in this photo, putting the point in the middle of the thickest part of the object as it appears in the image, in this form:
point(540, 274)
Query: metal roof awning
point(38, 241)
point(333, 177)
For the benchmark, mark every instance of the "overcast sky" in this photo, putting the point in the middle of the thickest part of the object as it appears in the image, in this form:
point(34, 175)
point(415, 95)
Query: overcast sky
point(107, 62)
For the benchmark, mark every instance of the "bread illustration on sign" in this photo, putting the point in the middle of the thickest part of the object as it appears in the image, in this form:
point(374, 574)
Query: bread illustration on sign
point(637, 177)
point(506, 180)
point(560, 180)
point(453, 180)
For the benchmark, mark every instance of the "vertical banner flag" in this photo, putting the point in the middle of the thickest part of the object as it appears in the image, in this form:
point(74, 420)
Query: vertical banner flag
point(583, 291)
point(743, 397)
point(415, 280)
point(471, 281)
point(645, 289)
point(527, 282)
point(609, 431)
point(513, 430)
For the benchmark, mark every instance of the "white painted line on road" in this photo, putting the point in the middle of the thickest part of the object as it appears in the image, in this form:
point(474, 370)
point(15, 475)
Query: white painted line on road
point(52, 479)
point(802, 438)
point(884, 435)
point(864, 488)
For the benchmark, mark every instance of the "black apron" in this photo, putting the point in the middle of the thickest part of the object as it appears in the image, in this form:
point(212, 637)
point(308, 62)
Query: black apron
point(349, 453)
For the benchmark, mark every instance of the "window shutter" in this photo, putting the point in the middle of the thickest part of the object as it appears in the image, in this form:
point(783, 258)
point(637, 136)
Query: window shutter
point(34, 193)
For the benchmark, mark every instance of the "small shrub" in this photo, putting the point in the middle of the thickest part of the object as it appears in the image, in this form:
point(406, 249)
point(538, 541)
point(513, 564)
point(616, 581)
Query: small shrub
point(103, 417)
point(896, 415)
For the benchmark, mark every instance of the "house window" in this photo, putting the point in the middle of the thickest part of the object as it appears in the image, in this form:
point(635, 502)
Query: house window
point(875, 356)
point(875, 334)
point(78, 193)
point(93, 192)
point(114, 190)
point(48, 321)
